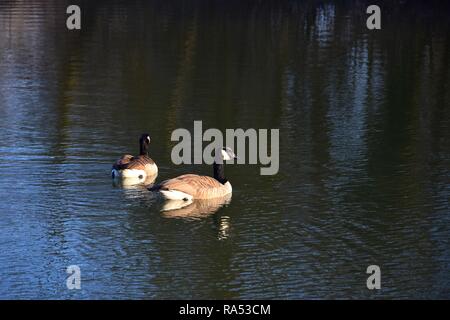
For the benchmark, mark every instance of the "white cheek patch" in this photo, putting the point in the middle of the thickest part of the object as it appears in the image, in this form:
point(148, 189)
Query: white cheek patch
point(225, 155)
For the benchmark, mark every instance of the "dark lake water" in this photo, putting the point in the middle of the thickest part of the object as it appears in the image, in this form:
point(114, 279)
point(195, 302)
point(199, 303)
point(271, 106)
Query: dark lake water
point(364, 120)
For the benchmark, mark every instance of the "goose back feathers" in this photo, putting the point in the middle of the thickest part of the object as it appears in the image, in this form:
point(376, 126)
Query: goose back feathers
point(192, 186)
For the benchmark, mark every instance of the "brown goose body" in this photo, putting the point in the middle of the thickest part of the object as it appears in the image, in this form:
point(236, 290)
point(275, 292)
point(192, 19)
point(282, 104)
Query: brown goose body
point(129, 166)
point(126, 158)
point(192, 186)
point(140, 167)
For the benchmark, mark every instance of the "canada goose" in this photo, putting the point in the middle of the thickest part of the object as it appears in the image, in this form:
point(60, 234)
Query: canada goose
point(191, 186)
point(140, 167)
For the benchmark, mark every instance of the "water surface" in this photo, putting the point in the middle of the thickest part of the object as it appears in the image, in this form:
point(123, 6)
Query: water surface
point(364, 151)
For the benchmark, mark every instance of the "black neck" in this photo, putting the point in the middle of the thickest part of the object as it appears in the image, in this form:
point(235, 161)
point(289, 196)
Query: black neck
point(143, 150)
point(219, 172)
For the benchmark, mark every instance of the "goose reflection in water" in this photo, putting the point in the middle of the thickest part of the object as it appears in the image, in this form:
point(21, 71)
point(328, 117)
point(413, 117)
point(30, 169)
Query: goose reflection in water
point(194, 208)
point(199, 209)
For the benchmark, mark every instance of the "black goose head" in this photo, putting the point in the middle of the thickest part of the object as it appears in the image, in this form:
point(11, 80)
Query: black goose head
point(144, 142)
